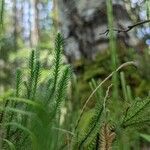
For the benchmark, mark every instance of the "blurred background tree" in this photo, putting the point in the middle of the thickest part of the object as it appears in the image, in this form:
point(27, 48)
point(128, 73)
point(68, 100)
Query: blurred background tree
point(25, 24)
point(82, 22)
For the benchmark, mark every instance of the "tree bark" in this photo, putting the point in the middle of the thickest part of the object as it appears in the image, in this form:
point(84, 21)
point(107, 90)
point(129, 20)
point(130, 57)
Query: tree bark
point(35, 24)
point(81, 23)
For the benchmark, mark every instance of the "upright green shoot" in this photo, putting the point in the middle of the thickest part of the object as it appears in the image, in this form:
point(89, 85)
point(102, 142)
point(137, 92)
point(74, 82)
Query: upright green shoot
point(18, 82)
point(36, 77)
point(57, 64)
point(129, 93)
point(123, 83)
point(112, 46)
point(31, 75)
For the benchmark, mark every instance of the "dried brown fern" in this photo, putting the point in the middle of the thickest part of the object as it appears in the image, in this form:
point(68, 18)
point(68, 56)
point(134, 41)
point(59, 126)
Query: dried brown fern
point(107, 137)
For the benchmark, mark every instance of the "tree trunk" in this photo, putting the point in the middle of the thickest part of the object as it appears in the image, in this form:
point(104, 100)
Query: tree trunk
point(81, 23)
point(15, 24)
point(35, 24)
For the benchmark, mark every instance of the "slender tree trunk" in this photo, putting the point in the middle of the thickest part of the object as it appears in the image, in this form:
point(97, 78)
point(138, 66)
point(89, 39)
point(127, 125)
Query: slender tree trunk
point(55, 15)
point(30, 24)
point(15, 18)
point(35, 24)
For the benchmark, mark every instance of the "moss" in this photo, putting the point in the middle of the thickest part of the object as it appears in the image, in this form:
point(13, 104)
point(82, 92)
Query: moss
point(100, 68)
point(85, 119)
point(143, 88)
point(83, 88)
point(86, 70)
point(94, 72)
point(102, 57)
point(78, 63)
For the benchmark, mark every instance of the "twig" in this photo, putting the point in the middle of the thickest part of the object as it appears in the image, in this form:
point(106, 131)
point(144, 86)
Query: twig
point(127, 29)
point(86, 102)
point(105, 98)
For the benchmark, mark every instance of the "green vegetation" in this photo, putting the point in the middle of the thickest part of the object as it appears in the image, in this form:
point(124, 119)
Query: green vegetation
point(104, 105)
point(31, 114)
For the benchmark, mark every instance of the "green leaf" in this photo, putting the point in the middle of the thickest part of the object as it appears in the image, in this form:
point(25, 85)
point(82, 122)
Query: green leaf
point(146, 137)
point(26, 130)
point(137, 113)
point(10, 144)
point(15, 110)
point(23, 100)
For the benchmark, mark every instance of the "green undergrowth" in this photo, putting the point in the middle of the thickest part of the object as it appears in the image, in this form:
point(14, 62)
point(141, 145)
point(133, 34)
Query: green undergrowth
point(105, 105)
point(30, 114)
point(53, 114)
point(98, 69)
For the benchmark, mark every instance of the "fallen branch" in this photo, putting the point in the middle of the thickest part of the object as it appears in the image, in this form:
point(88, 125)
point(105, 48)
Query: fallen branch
point(127, 29)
